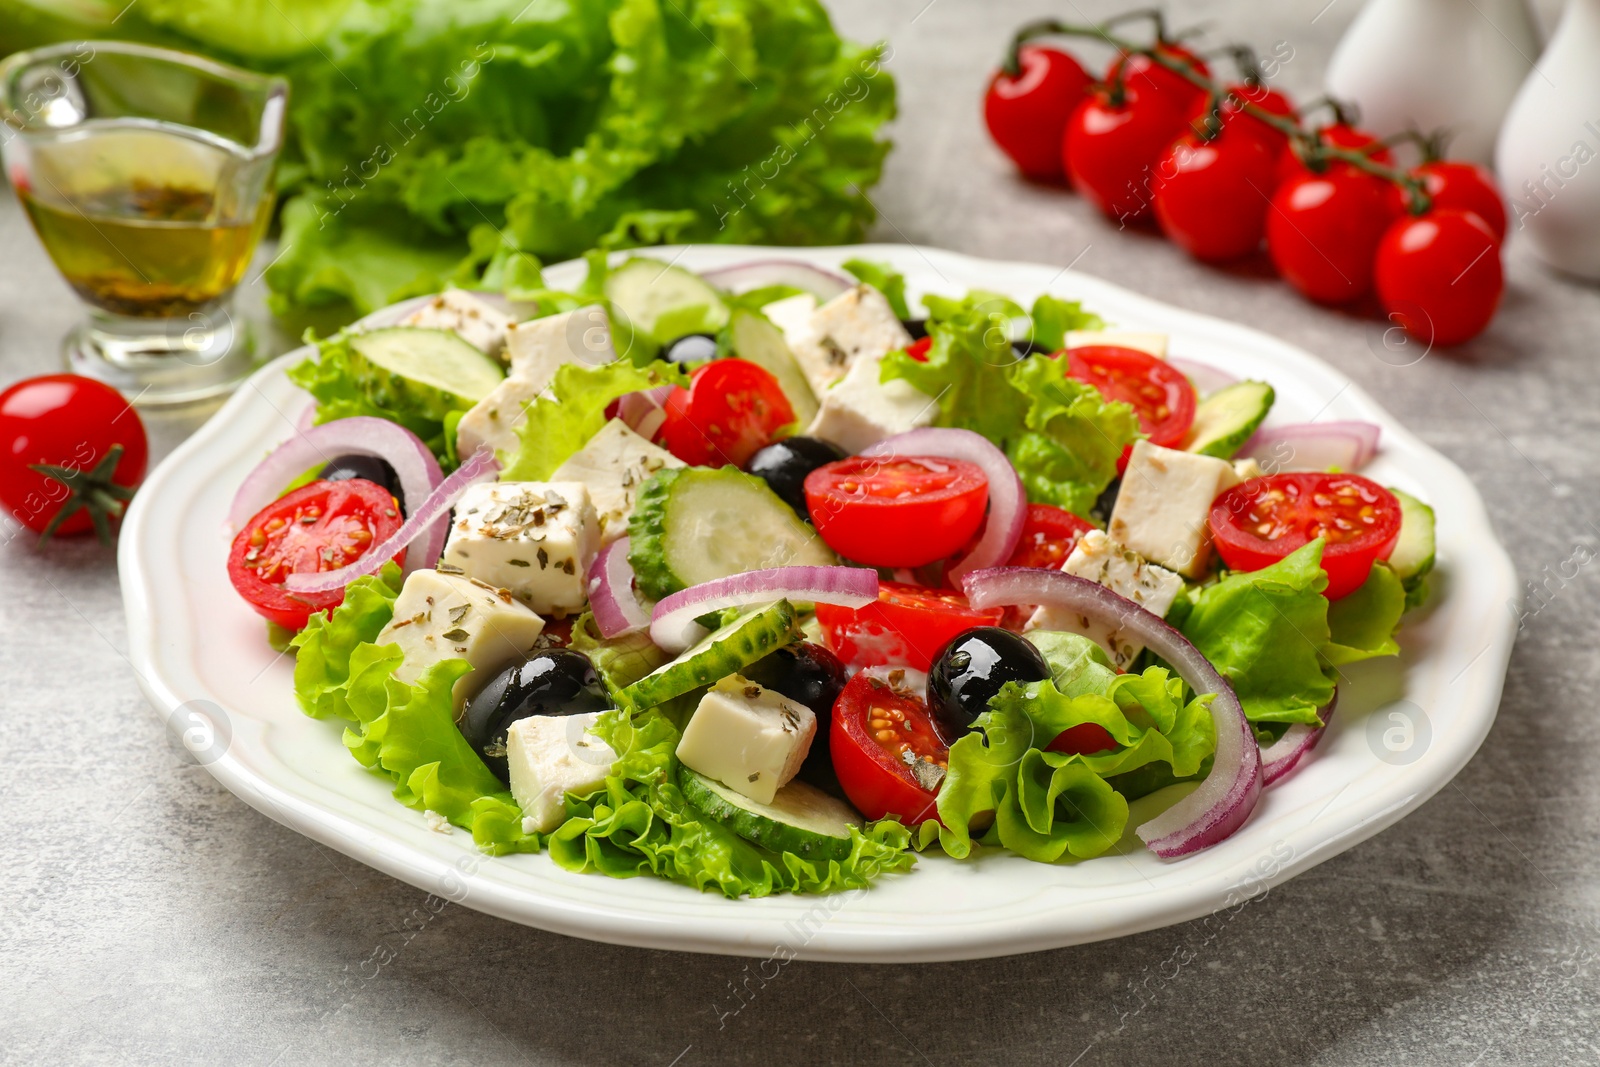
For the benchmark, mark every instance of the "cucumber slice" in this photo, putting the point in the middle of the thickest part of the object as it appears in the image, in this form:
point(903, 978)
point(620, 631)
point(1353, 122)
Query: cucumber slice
point(754, 338)
point(407, 367)
point(694, 524)
point(663, 302)
point(801, 819)
point(1413, 553)
point(725, 651)
point(1224, 421)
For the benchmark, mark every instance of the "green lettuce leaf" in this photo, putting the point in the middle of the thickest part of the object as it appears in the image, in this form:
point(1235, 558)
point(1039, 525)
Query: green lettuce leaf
point(1362, 624)
point(884, 278)
point(559, 425)
point(642, 824)
point(620, 661)
point(1067, 453)
point(1052, 317)
point(323, 648)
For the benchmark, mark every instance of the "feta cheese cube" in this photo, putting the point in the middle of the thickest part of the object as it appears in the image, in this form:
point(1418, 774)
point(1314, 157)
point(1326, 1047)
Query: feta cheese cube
point(792, 315)
point(1164, 505)
point(1124, 572)
point(862, 411)
point(550, 756)
point(615, 464)
point(536, 539)
point(539, 347)
point(1153, 343)
point(1245, 469)
point(474, 321)
point(493, 421)
point(440, 616)
point(854, 326)
point(750, 739)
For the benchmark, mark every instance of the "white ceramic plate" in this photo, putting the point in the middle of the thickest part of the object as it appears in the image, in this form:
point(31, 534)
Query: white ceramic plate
point(1403, 730)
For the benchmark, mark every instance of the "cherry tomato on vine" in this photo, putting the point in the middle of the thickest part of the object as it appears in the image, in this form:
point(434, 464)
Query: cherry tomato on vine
point(320, 526)
point(1438, 275)
point(878, 736)
point(71, 452)
point(1048, 537)
point(1339, 135)
point(1323, 230)
point(897, 511)
point(1260, 521)
point(908, 625)
point(1145, 78)
point(1211, 196)
point(731, 410)
point(1027, 114)
point(1267, 99)
point(1465, 186)
point(1112, 146)
point(1160, 395)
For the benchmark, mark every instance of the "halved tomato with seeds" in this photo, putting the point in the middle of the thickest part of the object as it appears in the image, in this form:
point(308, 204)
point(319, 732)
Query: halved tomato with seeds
point(886, 753)
point(321, 526)
point(1160, 395)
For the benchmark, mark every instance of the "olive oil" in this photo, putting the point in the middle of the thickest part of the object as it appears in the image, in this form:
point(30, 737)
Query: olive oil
point(142, 222)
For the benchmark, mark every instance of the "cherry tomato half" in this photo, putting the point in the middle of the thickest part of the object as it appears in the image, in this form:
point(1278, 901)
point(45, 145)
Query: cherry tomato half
point(1211, 196)
point(918, 349)
point(1083, 739)
point(1027, 114)
point(1160, 395)
point(72, 423)
point(1111, 149)
point(879, 732)
point(1048, 537)
point(320, 526)
point(1262, 520)
point(897, 511)
point(1323, 231)
point(1466, 186)
point(1439, 276)
point(731, 410)
point(907, 627)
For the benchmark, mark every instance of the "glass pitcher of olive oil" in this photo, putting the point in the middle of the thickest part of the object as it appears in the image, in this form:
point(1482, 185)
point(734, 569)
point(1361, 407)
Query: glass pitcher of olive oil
point(147, 175)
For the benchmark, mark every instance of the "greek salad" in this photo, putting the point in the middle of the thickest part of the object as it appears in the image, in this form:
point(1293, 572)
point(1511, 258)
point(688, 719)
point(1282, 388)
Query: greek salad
point(758, 581)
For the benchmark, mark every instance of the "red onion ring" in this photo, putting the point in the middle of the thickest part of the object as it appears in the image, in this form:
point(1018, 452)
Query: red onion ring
point(1203, 376)
point(432, 512)
point(1229, 793)
point(1284, 755)
point(673, 625)
point(612, 598)
point(360, 435)
point(743, 277)
point(1008, 504)
point(1314, 445)
point(645, 411)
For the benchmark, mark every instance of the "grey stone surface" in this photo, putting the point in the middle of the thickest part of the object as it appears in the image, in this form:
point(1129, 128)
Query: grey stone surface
point(146, 915)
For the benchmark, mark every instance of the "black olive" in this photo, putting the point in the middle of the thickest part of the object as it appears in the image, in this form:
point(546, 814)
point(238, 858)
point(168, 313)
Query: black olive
point(690, 349)
point(807, 674)
point(785, 464)
point(971, 670)
point(917, 328)
point(370, 468)
point(1026, 348)
point(557, 681)
point(1107, 502)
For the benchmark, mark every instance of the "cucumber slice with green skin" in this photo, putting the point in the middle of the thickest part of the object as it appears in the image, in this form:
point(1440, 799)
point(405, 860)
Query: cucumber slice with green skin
point(728, 650)
point(1414, 552)
point(694, 524)
point(663, 302)
point(407, 367)
point(752, 337)
point(801, 819)
point(1224, 421)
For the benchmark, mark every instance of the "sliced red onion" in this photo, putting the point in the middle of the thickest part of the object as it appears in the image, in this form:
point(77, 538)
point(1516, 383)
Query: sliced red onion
point(645, 411)
point(1313, 446)
point(432, 512)
point(612, 598)
point(673, 626)
point(1229, 793)
point(1204, 377)
point(1008, 505)
point(360, 435)
point(1284, 755)
point(743, 277)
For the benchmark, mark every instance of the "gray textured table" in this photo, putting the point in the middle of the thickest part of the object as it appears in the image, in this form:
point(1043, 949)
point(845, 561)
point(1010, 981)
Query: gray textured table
point(149, 916)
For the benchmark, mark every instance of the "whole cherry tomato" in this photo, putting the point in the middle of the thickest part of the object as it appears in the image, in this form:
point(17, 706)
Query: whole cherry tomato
point(1145, 78)
point(1438, 275)
point(732, 409)
point(1339, 135)
point(1467, 186)
point(1233, 114)
point(1113, 142)
point(1211, 196)
point(71, 452)
point(1027, 113)
point(1323, 230)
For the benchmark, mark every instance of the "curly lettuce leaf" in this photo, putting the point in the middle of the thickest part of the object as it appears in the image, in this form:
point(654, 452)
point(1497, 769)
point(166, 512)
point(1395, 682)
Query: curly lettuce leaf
point(1362, 624)
point(884, 278)
point(558, 425)
point(1067, 452)
point(642, 824)
point(323, 649)
point(620, 661)
point(1053, 317)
